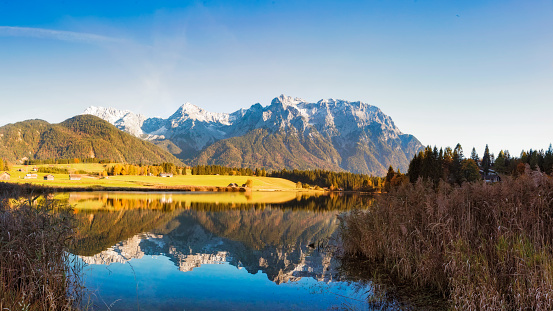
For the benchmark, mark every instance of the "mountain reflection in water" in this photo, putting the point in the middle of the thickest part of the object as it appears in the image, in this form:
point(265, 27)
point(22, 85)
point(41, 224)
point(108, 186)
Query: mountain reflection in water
point(285, 240)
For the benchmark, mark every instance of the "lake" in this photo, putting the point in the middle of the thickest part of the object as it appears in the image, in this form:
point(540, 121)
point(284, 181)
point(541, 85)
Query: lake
point(214, 251)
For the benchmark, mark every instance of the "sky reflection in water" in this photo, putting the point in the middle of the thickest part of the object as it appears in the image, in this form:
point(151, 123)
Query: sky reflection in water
point(160, 286)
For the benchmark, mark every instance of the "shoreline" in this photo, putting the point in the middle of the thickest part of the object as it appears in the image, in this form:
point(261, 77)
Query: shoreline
point(29, 188)
point(34, 188)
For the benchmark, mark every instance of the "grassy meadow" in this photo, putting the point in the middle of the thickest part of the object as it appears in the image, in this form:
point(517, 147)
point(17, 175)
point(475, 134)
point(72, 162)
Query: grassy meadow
point(133, 181)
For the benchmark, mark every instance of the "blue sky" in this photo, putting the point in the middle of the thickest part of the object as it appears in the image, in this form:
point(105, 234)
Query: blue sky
point(474, 72)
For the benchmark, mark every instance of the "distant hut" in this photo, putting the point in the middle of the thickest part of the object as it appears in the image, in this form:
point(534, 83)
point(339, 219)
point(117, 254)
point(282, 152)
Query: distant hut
point(5, 176)
point(74, 177)
point(49, 177)
point(165, 175)
point(490, 177)
point(30, 176)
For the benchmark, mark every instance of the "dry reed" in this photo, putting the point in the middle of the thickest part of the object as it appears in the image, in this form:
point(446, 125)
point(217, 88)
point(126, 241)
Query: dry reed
point(36, 271)
point(481, 246)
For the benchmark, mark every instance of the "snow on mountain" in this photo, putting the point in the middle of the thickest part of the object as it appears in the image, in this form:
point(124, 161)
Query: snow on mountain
point(123, 119)
point(191, 112)
point(328, 116)
point(192, 129)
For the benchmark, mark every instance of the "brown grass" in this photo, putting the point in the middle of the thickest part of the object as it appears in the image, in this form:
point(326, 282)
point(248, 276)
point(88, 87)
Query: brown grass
point(36, 271)
point(483, 247)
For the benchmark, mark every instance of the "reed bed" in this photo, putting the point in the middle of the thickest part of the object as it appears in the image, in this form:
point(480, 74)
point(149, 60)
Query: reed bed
point(36, 271)
point(480, 246)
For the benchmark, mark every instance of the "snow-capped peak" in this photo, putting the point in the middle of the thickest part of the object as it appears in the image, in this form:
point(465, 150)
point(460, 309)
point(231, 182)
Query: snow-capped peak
point(188, 111)
point(287, 100)
point(111, 114)
point(329, 116)
point(123, 119)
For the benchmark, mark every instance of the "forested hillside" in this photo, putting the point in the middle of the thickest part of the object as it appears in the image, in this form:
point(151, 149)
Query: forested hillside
point(259, 148)
point(83, 136)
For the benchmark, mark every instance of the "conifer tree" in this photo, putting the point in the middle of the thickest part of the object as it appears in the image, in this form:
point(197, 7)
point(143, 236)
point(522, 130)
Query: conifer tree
point(414, 171)
point(469, 171)
point(548, 160)
point(428, 163)
point(447, 159)
point(437, 167)
point(389, 176)
point(486, 161)
point(455, 170)
point(500, 164)
point(534, 159)
point(474, 155)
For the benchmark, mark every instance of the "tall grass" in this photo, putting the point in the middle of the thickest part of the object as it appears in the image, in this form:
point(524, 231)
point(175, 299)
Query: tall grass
point(36, 271)
point(483, 247)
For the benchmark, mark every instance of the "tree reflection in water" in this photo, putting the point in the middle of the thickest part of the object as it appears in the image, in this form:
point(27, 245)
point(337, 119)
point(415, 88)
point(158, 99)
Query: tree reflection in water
point(286, 241)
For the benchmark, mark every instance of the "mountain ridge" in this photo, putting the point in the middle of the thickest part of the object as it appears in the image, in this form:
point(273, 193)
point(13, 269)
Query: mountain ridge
point(295, 134)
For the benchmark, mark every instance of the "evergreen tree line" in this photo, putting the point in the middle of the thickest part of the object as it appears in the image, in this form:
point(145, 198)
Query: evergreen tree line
point(444, 164)
point(542, 160)
point(329, 179)
point(67, 161)
point(451, 165)
point(130, 169)
point(223, 170)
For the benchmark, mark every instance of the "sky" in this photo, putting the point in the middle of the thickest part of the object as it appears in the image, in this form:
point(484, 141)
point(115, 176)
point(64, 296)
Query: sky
point(448, 72)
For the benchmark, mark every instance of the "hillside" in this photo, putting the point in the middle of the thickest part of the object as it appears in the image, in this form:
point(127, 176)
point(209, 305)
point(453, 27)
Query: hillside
point(289, 133)
point(83, 136)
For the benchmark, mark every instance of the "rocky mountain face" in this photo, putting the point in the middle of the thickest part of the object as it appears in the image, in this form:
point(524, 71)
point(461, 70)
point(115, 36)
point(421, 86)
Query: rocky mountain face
point(289, 133)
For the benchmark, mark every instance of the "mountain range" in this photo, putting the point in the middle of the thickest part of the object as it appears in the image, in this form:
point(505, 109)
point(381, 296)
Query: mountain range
point(289, 133)
point(83, 136)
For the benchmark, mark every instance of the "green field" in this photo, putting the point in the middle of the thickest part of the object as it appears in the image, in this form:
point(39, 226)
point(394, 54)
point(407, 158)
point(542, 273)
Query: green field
point(62, 180)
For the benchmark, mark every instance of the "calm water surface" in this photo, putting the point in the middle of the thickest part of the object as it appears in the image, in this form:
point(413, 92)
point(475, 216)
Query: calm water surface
point(219, 251)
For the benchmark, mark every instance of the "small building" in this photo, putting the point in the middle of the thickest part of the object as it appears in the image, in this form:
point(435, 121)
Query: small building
point(5, 176)
point(31, 176)
point(165, 175)
point(490, 177)
point(74, 177)
point(49, 177)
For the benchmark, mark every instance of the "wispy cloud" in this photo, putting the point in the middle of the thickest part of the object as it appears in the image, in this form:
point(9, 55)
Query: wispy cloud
point(56, 35)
